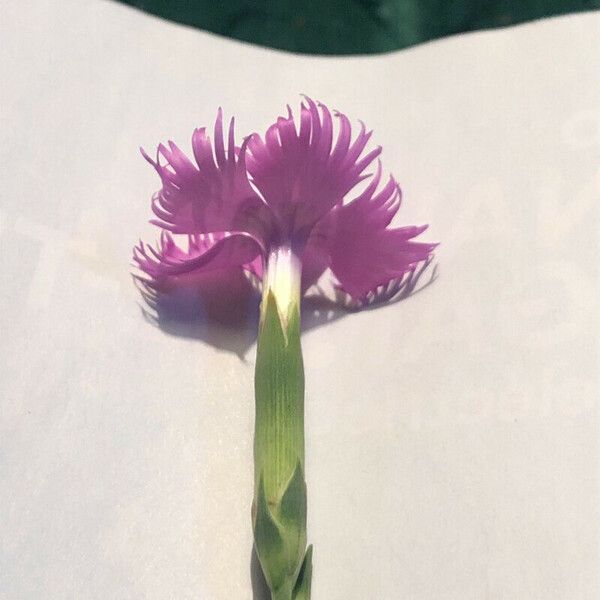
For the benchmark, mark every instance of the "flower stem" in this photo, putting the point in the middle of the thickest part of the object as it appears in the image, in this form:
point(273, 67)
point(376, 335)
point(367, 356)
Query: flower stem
point(279, 508)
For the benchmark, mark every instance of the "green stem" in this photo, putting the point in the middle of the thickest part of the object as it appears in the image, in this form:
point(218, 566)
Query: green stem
point(279, 509)
point(279, 389)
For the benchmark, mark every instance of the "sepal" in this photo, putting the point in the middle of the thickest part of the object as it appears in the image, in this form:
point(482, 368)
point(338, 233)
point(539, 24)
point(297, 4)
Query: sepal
point(280, 538)
point(269, 541)
point(293, 502)
point(303, 583)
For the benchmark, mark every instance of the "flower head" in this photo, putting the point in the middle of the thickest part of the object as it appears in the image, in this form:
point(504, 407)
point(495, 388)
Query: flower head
point(288, 198)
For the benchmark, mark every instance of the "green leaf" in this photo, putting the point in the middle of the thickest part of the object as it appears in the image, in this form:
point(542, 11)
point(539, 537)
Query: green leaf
point(292, 516)
point(303, 583)
point(292, 511)
point(269, 541)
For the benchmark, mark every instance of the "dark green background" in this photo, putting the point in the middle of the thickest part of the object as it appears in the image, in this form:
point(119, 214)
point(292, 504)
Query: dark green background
point(352, 26)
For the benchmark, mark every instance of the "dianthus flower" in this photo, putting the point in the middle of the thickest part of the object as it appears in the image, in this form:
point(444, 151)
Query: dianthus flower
point(285, 209)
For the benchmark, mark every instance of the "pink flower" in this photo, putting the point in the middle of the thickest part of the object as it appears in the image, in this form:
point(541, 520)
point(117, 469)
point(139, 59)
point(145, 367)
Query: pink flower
point(291, 193)
point(278, 211)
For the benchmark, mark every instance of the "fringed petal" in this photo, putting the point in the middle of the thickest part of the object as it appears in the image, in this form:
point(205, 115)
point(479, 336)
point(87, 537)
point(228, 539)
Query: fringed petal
point(212, 195)
point(300, 173)
point(207, 252)
point(364, 254)
point(393, 291)
point(221, 291)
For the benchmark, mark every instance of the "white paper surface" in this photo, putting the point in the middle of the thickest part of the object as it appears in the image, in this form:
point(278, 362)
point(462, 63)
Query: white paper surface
point(453, 445)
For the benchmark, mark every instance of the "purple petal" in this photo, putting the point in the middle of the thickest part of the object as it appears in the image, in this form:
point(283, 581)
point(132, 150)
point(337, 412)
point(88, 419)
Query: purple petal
point(212, 195)
point(205, 253)
point(316, 258)
point(205, 283)
point(393, 291)
point(364, 254)
point(374, 258)
point(301, 174)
